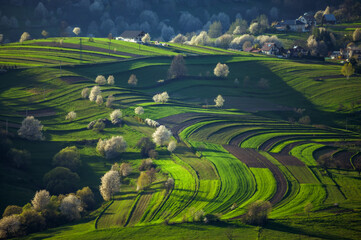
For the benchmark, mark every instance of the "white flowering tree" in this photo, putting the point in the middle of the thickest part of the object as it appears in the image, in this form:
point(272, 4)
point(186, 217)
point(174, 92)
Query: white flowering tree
point(221, 70)
point(85, 93)
point(31, 129)
point(100, 79)
point(71, 207)
point(95, 91)
point(41, 200)
point(161, 136)
point(110, 184)
point(110, 80)
point(116, 116)
point(99, 100)
point(172, 146)
point(71, 116)
point(219, 101)
point(76, 30)
point(111, 148)
point(161, 97)
point(139, 110)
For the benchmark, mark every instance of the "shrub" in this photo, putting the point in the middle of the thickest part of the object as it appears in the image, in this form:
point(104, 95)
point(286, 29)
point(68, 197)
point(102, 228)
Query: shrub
point(68, 157)
point(221, 70)
point(143, 181)
point(116, 116)
point(125, 169)
point(10, 226)
point(71, 207)
point(111, 148)
point(305, 120)
point(98, 126)
point(169, 184)
point(41, 200)
point(147, 164)
point(71, 116)
point(31, 129)
point(179, 39)
point(146, 38)
point(110, 101)
point(161, 135)
point(145, 145)
point(61, 180)
point(86, 196)
point(12, 209)
point(19, 158)
point(110, 184)
point(25, 36)
point(32, 221)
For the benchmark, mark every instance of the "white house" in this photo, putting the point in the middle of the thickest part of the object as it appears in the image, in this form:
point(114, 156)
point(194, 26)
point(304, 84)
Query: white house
point(270, 49)
point(131, 36)
point(292, 25)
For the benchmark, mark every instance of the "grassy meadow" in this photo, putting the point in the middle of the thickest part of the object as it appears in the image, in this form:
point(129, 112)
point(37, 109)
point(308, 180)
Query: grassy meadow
point(256, 147)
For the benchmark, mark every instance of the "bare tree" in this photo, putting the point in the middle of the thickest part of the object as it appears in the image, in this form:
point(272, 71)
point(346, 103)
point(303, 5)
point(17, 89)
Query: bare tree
point(172, 146)
point(71, 116)
point(85, 93)
point(41, 200)
point(161, 136)
point(219, 101)
point(110, 80)
point(71, 207)
point(31, 129)
point(100, 79)
point(110, 101)
point(177, 67)
point(116, 116)
point(257, 212)
point(221, 70)
point(133, 80)
point(25, 36)
point(110, 184)
point(111, 148)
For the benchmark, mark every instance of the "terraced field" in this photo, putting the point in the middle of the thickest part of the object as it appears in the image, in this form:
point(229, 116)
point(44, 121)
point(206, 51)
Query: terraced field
point(226, 158)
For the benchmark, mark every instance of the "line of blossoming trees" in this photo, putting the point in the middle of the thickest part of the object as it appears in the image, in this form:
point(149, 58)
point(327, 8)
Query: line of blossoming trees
point(67, 203)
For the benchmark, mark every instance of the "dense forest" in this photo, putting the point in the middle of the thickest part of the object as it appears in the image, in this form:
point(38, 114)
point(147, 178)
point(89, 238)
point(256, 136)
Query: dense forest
point(161, 18)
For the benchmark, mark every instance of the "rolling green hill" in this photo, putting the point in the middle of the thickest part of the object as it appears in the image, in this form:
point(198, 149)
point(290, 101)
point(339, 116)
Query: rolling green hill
point(254, 148)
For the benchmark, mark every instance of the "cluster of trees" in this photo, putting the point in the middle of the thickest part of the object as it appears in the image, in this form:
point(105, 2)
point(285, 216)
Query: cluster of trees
point(45, 211)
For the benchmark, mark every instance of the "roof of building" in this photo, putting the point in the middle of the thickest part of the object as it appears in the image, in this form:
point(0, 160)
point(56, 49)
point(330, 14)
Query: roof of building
point(268, 46)
point(291, 22)
point(329, 17)
point(132, 34)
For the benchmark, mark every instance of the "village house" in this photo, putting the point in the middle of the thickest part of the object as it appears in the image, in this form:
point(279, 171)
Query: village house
point(329, 19)
point(308, 19)
point(252, 50)
point(292, 25)
point(296, 51)
point(270, 49)
point(131, 36)
point(353, 52)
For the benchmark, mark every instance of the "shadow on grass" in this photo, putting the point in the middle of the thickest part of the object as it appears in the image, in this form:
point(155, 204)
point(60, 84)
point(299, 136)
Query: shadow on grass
point(276, 226)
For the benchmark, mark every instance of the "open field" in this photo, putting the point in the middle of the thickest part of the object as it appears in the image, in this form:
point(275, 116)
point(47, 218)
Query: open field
point(226, 158)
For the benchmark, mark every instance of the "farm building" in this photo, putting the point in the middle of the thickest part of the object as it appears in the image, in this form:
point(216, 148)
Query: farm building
point(296, 51)
point(292, 25)
point(308, 19)
point(131, 36)
point(329, 19)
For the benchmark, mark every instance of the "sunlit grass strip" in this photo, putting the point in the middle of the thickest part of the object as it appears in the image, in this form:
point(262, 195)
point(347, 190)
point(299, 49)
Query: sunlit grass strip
point(305, 152)
point(266, 188)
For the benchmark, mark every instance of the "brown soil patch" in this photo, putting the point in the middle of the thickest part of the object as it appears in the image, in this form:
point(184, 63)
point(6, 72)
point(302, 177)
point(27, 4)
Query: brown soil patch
point(342, 159)
point(245, 156)
point(287, 160)
point(73, 79)
point(85, 47)
point(46, 112)
point(236, 141)
point(253, 104)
